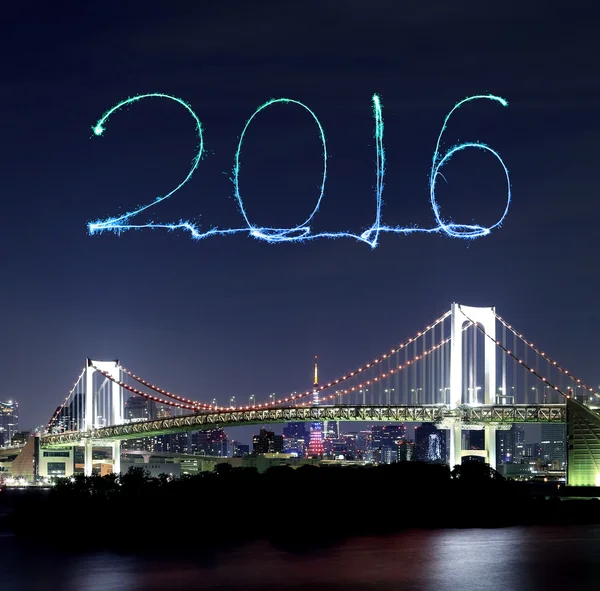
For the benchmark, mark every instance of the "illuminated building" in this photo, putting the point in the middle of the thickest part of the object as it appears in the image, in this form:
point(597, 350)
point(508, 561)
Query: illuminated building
point(178, 443)
point(138, 408)
point(385, 440)
point(510, 446)
point(344, 447)
point(295, 439)
point(267, 442)
point(363, 446)
point(430, 443)
point(553, 442)
point(295, 431)
point(239, 450)
point(405, 450)
point(331, 429)
point(209, 443)
point(9, 421)
point(315, 443)
point(170, 442)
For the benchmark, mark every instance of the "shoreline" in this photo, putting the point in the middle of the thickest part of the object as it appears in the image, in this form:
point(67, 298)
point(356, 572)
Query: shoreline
point(220, 511)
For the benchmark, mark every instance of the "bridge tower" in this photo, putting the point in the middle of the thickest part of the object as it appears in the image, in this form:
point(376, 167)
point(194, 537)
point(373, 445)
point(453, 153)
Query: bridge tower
point(91, 419)
point(486, 318)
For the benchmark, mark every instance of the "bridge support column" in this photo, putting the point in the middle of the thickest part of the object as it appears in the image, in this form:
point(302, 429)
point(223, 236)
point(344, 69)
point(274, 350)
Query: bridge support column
point(87, 457)
point(455, 455)
point(486, 318)
point(490, 444)
point(116, 453)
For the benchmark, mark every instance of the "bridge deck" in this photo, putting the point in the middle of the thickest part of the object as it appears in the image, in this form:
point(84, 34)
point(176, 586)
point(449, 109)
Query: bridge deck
point(469, 416)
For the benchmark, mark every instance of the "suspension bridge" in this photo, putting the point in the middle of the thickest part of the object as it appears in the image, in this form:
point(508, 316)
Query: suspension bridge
point(468, 369)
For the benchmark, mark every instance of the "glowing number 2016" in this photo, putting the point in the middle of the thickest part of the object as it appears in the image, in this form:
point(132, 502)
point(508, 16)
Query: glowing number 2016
point(303, 232)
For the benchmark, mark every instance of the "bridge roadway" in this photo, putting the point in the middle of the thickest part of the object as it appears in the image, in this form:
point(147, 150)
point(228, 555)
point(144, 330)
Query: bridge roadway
point(473, 416)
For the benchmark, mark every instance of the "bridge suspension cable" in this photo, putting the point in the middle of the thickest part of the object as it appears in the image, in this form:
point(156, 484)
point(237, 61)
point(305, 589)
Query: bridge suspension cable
point(546, 357)
point(392, 371)
point(197, 405)
point(377, 361)
point(145, 394)
point(165, 392)
point(513, 356)
point(59, 410)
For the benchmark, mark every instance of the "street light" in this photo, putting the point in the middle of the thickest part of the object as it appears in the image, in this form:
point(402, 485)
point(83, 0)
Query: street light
point(364, 393)
point(252, 400)
point(443, 391)
point(389, 393)
point(232, 402)
point(416, 396)
point(473, 397)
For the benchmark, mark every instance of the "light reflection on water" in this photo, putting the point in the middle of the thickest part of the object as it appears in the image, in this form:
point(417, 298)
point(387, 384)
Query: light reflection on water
point(544, 559)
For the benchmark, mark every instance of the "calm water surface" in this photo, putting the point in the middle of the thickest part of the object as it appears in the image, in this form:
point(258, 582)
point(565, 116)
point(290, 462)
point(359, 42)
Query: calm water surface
point(523, 559)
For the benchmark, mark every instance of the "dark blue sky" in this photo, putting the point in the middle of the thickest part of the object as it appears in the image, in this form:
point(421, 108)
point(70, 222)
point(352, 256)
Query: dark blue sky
point(235, 316)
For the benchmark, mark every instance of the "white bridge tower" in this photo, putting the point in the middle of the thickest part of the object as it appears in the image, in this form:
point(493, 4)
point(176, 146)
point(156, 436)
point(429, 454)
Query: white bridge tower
point(486, 318)
point(114, 409)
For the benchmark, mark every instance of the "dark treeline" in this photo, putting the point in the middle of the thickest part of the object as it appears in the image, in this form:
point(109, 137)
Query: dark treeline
point(294, 507)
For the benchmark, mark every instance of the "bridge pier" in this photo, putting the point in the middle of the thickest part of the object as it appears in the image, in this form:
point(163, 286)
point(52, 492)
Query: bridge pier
point(456, 453)
point(455, 443)
point(489, 439)
point(116, 454)
point(87, 457)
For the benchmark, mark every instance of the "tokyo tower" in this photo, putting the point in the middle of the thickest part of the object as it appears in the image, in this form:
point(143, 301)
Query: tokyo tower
point(315, 442)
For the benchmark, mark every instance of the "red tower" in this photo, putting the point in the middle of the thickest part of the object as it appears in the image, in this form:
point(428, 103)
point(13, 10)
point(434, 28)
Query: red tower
point(315, 442)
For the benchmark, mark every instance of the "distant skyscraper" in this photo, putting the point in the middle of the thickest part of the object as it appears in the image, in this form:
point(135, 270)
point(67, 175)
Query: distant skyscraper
point(510, 446)
point(9, 421)
point(405, 450)
point(295, 439)
point(385, 440)
point(553, 442)
point(267, 442)
point(430, 443)
point(315, 444)
point(295, 430)
point(209, 443)
point(138, 408)
point(239, 450)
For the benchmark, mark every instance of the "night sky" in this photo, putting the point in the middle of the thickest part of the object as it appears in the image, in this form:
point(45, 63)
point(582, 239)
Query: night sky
point(236, 316)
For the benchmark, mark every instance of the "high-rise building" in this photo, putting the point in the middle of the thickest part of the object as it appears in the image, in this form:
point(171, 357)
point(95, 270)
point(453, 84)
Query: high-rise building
point(295, 439)
point(363, 446)
point(405, 450)
point(430, 443)
point(510, 445)
point(267, 442)
point(385, 440)
point(553, 442)
point(178, 443)
point(344, 447)
point(519, 440)
point(139, 408)
point(239, 450)
point(9, 421)
point(209, 443)
point(295, 431)
point(315, 443)
point(331, 429)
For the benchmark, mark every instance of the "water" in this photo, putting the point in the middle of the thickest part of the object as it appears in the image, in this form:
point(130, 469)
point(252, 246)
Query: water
point(519, 558)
